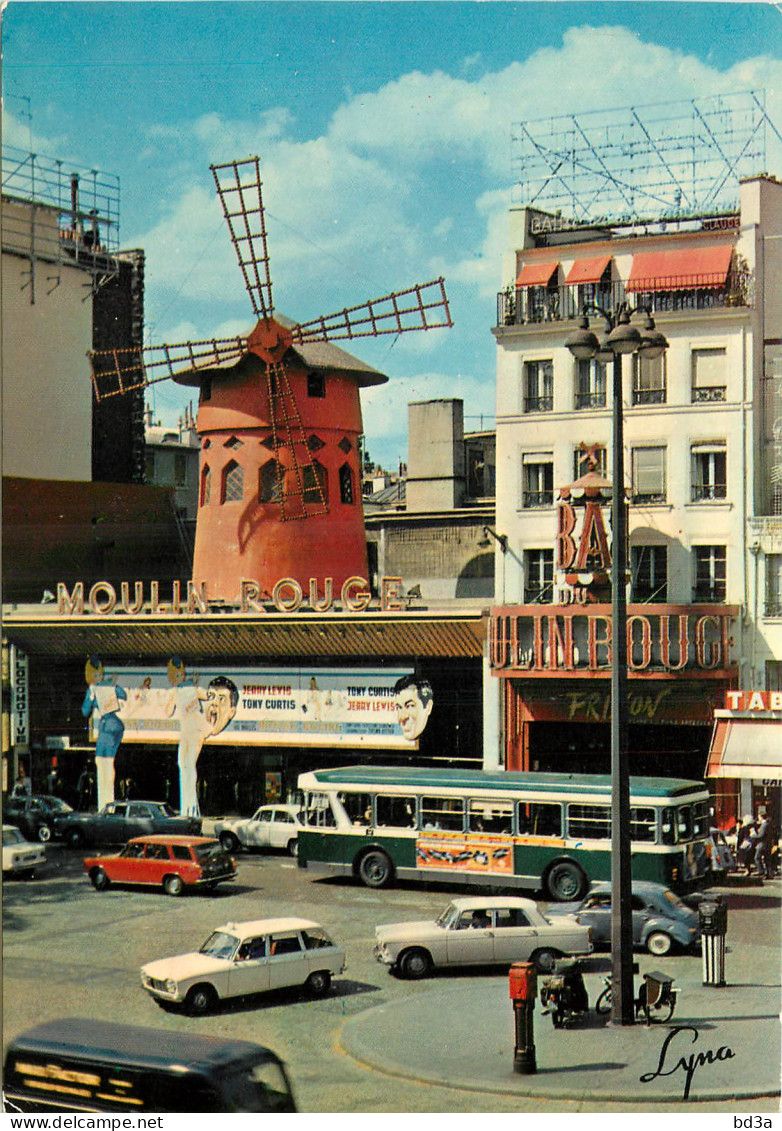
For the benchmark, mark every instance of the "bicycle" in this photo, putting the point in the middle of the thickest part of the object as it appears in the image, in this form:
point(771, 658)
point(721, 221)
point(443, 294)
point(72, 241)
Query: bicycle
point(656, 998)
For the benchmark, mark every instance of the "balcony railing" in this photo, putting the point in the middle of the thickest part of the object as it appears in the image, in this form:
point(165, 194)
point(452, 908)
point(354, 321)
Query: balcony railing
point(709, 594)
point(520, 306)
point(703, 491)
point(538, 594)
point(642, 498)
point(649, 396)
point(530, 499)
point(773, 607)
point(539, 404)
point(591, 400)
point(707, 394)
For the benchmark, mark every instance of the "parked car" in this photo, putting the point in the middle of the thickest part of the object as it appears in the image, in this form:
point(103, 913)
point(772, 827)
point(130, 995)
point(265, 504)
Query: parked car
point(499, 930)
point(246, 958)
point(19, 856)
point(118, 821)
point(171, 862)
point(660, 918)
point(271, 826)
point(35, 815)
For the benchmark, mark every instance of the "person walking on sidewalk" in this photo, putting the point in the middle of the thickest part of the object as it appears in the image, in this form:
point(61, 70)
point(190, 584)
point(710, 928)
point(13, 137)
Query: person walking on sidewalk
point(761, 838)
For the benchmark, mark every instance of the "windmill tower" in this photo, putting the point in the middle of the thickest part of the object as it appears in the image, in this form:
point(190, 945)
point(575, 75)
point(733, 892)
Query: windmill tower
point(279, 418)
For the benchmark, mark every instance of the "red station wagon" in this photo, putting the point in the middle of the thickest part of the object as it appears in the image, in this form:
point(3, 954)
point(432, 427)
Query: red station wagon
point(170, 862)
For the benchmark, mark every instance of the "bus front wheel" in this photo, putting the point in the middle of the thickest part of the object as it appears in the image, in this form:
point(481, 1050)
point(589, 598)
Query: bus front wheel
point(566, 882)
point(375, 870)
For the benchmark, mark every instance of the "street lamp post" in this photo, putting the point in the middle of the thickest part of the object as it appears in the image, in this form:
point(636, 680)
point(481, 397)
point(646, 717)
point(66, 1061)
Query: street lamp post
point(621, 338)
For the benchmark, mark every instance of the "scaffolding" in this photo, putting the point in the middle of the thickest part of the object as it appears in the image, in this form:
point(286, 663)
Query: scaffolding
point(55, 214)
point(667, 161)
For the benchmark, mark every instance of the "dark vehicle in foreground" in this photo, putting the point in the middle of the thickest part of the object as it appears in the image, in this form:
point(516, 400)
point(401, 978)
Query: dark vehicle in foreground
point(80, 1064)
point(35, 814)
point(172, 863)
point(118, 821)
point(660, 918)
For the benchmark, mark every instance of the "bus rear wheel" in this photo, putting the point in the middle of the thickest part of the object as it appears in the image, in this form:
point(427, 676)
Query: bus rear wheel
point(566, 882)
point(375, 869)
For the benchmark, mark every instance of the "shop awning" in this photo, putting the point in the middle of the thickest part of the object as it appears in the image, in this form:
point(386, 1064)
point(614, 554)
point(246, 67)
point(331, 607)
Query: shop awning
point(588, 270)
point(746, 748)
point(536, 274)
point(681, 269)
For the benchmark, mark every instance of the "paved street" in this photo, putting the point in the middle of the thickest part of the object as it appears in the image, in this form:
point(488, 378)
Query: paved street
point(69, 950)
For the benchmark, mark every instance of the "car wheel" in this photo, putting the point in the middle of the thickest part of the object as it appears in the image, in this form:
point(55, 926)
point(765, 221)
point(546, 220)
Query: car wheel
point(293, 847)
point(200, 999)
point(229, 842)
point(375, 869)
point(415, 964)
point(318, 983)
point(566, 882)
point(44, 833)
point(658, 943)
point(544, 959)
point(173, 885)
point(100, 881)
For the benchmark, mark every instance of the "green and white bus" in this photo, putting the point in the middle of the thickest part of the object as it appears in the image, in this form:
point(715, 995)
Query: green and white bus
point(548, 832)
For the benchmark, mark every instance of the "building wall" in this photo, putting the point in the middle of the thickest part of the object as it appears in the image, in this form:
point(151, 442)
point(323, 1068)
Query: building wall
point(436, 479)
point(440, 553)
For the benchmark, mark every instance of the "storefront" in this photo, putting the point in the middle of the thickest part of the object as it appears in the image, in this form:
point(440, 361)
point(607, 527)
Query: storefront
point(745, 757)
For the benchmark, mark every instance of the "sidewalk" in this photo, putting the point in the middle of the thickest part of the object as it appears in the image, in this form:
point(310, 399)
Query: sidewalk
point(731, 1032)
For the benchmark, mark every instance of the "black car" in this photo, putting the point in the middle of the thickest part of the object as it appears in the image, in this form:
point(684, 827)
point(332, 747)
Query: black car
point(118, 821)
point(35, 814)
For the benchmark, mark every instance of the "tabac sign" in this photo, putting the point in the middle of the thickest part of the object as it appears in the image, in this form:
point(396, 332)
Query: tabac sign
point(551, 640)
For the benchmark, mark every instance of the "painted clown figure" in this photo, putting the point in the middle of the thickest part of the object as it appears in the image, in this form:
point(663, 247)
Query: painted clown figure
point(187, 699)
point(104, 699)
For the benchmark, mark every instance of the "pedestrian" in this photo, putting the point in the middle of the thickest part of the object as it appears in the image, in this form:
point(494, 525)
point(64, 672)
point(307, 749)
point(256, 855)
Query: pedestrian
point(22, 786)
point(761, 838)
point(745, 848)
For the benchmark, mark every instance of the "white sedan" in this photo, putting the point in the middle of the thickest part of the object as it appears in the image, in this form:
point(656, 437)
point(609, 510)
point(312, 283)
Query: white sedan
point(271, 826)
point(19, 856)
point(246, 958)
point(499, 930)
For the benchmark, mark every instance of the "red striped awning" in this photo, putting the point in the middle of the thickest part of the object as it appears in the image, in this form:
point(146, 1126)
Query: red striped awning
point(745, 748)
point(536, 274)
point(680, 270)
point(588, 270)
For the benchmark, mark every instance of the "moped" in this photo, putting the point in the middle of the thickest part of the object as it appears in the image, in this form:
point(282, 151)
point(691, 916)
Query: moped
point(563, 993)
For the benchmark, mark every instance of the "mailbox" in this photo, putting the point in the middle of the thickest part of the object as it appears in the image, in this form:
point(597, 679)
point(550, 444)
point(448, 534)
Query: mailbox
point(523, 981)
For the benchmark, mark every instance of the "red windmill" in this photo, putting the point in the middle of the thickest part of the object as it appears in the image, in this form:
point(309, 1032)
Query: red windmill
point(279, 418)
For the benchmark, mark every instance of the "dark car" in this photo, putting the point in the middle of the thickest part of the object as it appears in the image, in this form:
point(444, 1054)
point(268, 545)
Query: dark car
point(35, 815)
point(660, 918)
point(118, 821)
point(168, 862)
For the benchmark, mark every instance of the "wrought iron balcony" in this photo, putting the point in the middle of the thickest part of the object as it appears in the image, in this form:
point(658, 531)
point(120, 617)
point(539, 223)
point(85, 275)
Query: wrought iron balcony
point(707, 394)
point(704, 491)
point(531, 499)
point(704, 594)
point(649, 396)
point(591, 400)
point(539, 404)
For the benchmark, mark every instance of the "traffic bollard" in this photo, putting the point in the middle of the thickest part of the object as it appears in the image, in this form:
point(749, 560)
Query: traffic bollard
point(523, 988)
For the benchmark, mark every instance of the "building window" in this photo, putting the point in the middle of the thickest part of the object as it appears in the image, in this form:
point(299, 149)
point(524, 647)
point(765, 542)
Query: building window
point(149, 465)
point(538, 576)
point(649, 475)
point(346, 491)
point(233, 483)
point(269, 482)
point(710, 573)
point(538, 386)
point(590, 384)
point(316, 385)
point(649, 573)
point(314, 443)
point(589, 457)
point(234, 443)
point(648, 380)
point(774, 585)
point(315, 484)
point(709, 374)
point(709, 472)
point(537, 480)
point(180, 469)
point(206, 485)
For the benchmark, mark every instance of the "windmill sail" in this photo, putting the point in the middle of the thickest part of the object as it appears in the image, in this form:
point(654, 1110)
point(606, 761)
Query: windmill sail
point(422, 307)
point(239, 188)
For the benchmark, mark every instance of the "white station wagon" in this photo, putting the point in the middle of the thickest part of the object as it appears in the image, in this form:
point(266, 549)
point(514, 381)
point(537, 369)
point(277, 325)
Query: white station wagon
point(19, 856)
point(497, 930)
point(271, 826)
point(246, 958)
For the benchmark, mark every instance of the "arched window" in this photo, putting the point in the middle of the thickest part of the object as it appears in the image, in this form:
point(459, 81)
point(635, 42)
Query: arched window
point(206, 485)
point(311, 478)
point(346, 492)
point(270, 482)
point(233, 483)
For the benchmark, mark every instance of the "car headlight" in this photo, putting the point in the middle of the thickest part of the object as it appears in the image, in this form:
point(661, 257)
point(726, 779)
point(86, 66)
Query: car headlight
point(170, 986)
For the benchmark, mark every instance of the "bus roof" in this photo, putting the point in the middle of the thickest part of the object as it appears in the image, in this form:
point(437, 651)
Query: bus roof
point(132, 1045)
point(413, 776)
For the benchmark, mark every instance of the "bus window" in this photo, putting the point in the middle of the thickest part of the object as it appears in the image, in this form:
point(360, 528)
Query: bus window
point(442, 813)
point(318, 813)
point(539, 818)
point(490, 817)
point(395, 812)
point(589, 822)
point(668, 826)
point(643, 824)
point(683, 823)
point(358, 807)
point(700, 819)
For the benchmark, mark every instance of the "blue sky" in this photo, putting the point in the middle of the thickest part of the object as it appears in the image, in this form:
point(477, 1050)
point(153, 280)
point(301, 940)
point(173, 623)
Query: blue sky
point(384, 135)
